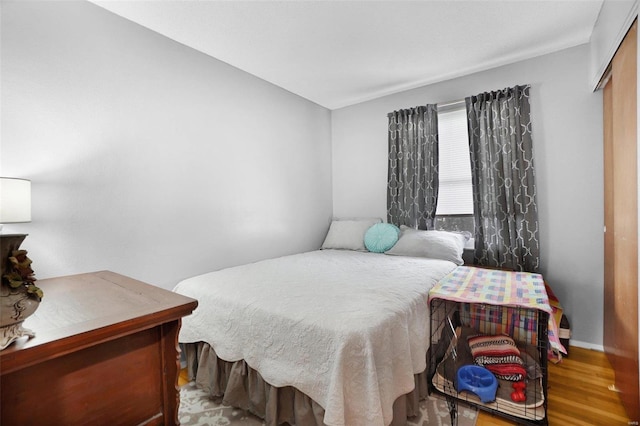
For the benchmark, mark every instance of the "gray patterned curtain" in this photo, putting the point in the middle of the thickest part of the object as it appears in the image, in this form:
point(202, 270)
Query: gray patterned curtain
point(504, 190)
point(412, 184)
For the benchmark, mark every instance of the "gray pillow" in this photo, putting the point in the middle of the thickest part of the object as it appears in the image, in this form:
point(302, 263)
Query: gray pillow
point(348, 234)
point(441, 245)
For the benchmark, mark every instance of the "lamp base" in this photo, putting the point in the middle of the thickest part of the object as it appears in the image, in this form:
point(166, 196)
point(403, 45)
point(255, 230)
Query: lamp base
point(15, 304)
point(11, 333)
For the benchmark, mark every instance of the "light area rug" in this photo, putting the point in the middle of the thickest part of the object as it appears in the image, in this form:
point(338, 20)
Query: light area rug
point(196, 409)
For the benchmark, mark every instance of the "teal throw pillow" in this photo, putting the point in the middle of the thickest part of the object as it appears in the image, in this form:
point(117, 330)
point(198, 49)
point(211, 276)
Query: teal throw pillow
point(381, 237)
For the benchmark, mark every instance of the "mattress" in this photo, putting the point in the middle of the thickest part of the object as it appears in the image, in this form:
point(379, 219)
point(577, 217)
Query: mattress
point(349, 329)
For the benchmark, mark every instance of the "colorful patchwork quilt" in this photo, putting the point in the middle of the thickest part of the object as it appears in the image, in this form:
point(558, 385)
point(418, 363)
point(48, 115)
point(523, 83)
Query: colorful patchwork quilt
point(482, 286)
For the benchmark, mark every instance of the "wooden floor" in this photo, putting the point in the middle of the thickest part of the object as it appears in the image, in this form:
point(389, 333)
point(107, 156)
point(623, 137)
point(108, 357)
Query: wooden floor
point(184, 377)
point(578, 393)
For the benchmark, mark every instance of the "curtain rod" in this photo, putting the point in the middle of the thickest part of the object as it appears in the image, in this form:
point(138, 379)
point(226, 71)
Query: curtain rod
point(450, 103)
point(443, 105)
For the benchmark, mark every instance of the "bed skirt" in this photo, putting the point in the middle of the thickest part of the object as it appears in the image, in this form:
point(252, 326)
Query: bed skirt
point(243, 387)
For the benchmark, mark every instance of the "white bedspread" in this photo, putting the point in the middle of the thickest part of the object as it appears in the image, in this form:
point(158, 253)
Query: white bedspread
point(349, 329)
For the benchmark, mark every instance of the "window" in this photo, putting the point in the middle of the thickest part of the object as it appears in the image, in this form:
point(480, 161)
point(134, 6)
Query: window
point(455, 194)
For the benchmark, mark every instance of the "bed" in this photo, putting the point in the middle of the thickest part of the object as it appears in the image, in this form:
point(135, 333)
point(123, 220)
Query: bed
point(333, 336)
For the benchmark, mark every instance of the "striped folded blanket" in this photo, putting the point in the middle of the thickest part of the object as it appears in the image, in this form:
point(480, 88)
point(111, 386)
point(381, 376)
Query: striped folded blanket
point(498, 354)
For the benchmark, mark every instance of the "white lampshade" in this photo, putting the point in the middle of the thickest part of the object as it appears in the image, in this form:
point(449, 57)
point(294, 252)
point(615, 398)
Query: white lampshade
point(15, 200)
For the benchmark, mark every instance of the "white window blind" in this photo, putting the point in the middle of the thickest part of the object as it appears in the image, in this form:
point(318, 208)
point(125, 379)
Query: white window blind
point(455, 196)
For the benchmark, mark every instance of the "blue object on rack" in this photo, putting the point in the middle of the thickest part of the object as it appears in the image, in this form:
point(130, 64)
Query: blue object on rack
point(477, 380)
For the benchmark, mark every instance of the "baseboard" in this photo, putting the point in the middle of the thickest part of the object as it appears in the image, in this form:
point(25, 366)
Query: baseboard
point(586, 345)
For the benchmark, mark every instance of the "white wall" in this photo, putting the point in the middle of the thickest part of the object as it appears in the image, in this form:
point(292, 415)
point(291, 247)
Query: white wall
point(567, 137)
point(148, 158)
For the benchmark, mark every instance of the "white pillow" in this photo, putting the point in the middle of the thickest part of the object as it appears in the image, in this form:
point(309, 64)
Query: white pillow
point(348, 234)
point(442, 245)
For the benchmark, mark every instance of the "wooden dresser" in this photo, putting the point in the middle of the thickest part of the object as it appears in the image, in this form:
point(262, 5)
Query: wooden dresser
point(105, 353)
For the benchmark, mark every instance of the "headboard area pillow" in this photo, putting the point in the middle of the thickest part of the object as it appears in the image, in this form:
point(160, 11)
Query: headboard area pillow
point(442, 245)
point(381, 237)
point(348, 234)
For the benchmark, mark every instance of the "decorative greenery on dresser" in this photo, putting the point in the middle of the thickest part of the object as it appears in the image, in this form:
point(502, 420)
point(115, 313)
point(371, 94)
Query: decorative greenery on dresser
point(20, 275)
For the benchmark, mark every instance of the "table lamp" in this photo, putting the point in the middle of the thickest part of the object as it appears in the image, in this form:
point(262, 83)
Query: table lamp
point(15, 200)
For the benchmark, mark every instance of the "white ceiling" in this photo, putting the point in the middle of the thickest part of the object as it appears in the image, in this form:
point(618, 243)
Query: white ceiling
point(338, 53)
